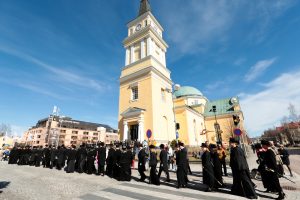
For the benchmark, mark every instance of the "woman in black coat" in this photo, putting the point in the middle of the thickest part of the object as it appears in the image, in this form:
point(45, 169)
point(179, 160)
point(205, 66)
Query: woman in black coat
point(208, 170)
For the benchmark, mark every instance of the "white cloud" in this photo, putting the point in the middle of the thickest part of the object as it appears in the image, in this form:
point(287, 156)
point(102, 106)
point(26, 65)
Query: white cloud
point(258, 69)
point(266, 108)
point(60, 74)
point(201, 24)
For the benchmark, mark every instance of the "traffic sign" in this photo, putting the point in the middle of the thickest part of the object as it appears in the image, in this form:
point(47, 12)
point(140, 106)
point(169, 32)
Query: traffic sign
point(237, 131)
point(149, 133)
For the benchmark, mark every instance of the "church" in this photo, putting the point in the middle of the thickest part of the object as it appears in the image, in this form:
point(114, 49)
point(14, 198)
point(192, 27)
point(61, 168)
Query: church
point(152, 107)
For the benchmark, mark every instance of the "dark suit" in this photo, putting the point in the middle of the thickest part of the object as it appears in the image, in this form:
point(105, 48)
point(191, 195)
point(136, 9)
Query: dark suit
point(141, 164)
point(101, 159)
point(163, 156)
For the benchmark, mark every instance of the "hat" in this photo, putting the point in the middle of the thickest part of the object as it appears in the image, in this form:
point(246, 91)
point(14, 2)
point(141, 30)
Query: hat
point(233, 140)
point(162, 146)
point(213, 146)
point(123, 146)
point(203, 145)
point(151, 146)
point(265, 142)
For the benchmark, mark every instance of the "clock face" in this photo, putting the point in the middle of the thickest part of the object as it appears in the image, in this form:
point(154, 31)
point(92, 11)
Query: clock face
point(138, 27)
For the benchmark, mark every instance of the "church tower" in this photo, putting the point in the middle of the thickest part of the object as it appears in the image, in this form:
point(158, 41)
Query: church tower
point(145, 101)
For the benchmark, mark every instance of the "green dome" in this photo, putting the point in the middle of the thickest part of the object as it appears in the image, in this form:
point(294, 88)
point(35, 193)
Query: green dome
point(187, 91)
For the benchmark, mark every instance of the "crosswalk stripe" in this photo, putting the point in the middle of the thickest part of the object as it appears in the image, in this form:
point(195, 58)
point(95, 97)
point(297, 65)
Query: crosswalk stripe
point(103, 195)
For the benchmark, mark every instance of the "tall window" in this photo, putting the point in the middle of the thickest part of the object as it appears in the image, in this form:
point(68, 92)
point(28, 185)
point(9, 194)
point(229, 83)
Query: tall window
point(135, 93)
point(163, 96)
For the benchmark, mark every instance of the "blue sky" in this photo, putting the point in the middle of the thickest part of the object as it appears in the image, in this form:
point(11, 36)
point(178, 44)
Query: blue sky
point(69, 53)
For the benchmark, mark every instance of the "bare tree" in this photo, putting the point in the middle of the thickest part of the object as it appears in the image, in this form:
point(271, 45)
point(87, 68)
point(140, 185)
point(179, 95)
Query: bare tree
point(293, 117)
point(5, 129)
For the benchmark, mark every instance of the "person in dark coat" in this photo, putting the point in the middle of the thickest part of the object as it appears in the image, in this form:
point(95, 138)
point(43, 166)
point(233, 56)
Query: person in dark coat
point(217, 166)
point(262, 166)
point(82, 154)
point(181, 161)
point(101, 158)
point(207, 168)
point(242, 184)
point(71, 159)
point(38, 156)
point(163, 156)
point(32, 154)
point(46, 156)
point(116, 167)
point(90, 163)
point(13, 156)
point(142, 157)
point(153, 178)
point(272, 171)
point(61, 157)
point(125, 165)
point(53, 157)
point(284, 154)
point(110, 161)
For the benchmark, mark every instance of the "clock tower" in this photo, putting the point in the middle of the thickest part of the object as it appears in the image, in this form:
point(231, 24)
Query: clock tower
point(145, 101)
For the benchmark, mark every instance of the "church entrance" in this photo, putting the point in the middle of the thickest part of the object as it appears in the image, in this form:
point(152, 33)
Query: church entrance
point(134, 132)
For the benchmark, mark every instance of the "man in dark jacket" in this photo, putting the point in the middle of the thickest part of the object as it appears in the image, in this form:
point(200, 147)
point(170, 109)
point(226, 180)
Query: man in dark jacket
point(46, 156)
point(110, 161)
point(284, 154)
point(181, 161)
point(242, 184)
point(116, 167)
point(142, 162)
point(82, 154)
point(153, 178)
point(71, 153)
point(61, 157)
point(272, 171)
point(163, 156)
point(101, 158)
point(125, 164)
point(207, 168)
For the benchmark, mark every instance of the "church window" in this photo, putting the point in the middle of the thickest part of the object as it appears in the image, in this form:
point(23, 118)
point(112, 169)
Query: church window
point(146, 22)
point(135, 93)
point(163, 95)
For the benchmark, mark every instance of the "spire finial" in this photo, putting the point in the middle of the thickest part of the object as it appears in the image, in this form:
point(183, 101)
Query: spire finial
point(144, 7)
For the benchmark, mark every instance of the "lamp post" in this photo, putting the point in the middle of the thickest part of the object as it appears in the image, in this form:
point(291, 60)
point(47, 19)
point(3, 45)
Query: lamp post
point(217, 126)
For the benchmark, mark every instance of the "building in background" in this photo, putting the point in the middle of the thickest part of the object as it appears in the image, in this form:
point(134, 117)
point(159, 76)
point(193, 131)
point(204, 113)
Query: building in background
point(201, 120)
point(56, 130)
point(9, 141)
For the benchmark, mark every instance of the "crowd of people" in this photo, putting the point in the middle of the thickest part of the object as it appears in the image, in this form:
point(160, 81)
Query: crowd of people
point(119, 161)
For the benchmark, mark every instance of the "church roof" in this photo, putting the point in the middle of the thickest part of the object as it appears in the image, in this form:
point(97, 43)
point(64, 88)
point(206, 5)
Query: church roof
point(187, 91)
point(144, 7)
point(223, 106)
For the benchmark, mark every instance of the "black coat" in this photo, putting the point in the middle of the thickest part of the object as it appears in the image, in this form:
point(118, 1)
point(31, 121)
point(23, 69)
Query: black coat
point(142, 159)
point(284, 154)
point(163, 156)
point(208, 171)
point(101, 155)
point(242, 184)
point(110, 160)
point(153, 160)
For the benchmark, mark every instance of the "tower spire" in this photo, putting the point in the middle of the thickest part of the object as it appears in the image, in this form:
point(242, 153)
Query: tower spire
point(144, 7)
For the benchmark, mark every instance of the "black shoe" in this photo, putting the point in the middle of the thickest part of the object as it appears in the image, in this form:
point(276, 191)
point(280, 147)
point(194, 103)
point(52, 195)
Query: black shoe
point(252, 197)
point(208, 190)
point(281, 196)
point(168, 180)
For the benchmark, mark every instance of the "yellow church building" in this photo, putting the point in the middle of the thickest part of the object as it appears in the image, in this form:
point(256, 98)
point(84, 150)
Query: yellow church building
point(151, 105)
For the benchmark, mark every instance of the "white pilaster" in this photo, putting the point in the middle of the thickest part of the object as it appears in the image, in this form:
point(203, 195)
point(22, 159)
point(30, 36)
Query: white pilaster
point(164, 58)
point(132, 54)
point(142, 49)
point(127, 57)
point(149, 46)
point(125, 133)
point(141, 130)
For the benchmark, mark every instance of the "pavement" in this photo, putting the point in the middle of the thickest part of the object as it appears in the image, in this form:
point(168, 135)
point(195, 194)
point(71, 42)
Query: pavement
point(26, 182)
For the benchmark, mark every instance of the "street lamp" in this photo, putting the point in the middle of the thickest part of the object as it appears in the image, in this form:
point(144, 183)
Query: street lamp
point(217, 126)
